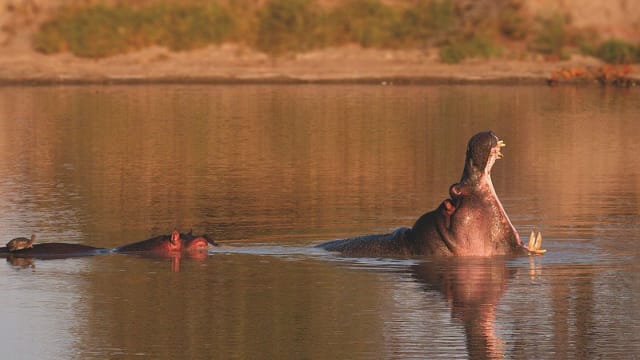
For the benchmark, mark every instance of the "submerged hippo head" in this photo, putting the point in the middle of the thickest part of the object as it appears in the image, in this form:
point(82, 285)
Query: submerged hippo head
point(161, 243)
point(175, 242)
point(191, 242)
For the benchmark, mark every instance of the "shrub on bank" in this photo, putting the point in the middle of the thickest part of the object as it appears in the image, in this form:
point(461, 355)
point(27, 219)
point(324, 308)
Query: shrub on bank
point(282, 26)
point(276, 27)
point(288, 25)
point(616, 51)
point(472, 46)
point(551, 38)
point(369, 23)
point(98, 31)
point(512, 24)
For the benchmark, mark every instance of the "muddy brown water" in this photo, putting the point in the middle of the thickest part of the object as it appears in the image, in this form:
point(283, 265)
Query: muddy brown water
point(270, 171)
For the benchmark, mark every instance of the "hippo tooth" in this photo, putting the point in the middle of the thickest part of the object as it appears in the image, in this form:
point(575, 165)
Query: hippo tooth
point(538, 241)
point(535, 244)
point(539, 244)
point(532, 240)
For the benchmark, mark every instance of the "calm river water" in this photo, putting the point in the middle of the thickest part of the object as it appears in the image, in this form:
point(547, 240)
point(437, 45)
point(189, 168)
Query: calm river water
point(270, 171)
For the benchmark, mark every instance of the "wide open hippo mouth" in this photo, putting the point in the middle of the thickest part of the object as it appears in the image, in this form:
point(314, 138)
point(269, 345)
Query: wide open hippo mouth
point(495, 154)
point(474, 219)
point(482, 152)
point(474, 214)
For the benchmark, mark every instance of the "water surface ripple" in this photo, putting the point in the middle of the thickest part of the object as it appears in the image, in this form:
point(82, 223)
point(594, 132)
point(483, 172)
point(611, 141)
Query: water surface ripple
point(270, 171)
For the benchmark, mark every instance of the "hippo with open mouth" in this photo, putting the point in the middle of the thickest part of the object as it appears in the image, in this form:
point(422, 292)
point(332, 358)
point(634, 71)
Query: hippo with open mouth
point(471, 223)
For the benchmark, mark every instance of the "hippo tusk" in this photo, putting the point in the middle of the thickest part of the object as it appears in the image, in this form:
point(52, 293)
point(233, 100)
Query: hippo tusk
point(501, 144)
point(535, 244)
point(532, 240)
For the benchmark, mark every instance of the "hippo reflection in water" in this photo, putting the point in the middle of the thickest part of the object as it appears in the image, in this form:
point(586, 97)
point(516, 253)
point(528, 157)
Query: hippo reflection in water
point(163, 245)
point(472, 288)
point(471, 223)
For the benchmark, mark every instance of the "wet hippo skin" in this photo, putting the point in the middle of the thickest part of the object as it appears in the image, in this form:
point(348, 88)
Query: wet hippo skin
point(53, 251)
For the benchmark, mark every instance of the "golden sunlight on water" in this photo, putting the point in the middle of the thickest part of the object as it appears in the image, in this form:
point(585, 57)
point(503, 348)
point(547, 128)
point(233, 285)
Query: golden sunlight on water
point(270, 170)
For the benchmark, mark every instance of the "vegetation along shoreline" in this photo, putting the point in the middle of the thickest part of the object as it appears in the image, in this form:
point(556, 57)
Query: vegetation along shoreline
point(305, 41)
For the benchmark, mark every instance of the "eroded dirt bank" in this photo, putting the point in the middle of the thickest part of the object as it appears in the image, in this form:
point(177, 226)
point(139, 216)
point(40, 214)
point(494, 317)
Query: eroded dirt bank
point(232, 64)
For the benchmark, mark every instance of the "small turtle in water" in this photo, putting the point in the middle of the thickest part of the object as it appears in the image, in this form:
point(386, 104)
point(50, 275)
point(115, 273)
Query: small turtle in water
point(21, 243)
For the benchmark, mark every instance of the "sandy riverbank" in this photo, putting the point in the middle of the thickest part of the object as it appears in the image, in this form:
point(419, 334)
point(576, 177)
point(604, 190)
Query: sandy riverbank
point(233, 64)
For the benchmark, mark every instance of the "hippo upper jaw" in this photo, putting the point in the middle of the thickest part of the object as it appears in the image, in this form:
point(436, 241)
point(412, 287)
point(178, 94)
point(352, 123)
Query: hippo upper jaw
point(482, 152)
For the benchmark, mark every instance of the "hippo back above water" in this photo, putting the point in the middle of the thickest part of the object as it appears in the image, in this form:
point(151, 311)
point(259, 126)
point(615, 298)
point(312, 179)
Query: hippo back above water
point(472, 222)
point(53, 250)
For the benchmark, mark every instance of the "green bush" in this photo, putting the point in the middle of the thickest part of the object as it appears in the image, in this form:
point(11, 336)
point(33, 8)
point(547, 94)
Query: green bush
point(91, 32)
point(475, 45)
point(427, 21)
point(288, 25)
point(295, 25)
point(552, 37)
point(188, 27)
point(587, 40)
point(365, 22)
point(275, 27)
point(616, 51)
point(281, 26)
point(512, 24)
point(99, 30)
point(372, 23)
